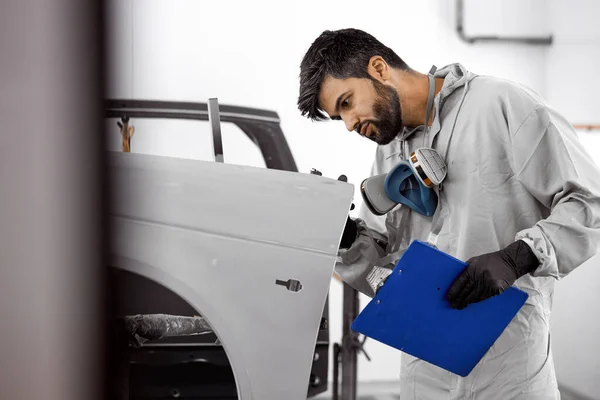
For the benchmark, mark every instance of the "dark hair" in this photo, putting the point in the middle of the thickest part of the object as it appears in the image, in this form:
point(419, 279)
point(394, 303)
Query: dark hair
point(342, 54)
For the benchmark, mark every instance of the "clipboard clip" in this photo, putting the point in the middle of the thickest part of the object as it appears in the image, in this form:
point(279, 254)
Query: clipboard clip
point(378, 275)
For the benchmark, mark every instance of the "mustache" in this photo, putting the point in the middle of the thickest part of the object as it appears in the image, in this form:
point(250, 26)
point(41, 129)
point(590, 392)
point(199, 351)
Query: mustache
point(360, 126)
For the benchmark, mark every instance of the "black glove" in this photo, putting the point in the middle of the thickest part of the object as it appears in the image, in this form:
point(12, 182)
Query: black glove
point(350, 229)
point(490, 274)
point(349, 235)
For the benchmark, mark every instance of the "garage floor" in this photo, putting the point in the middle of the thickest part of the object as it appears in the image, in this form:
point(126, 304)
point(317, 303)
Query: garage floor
point(388, 391)
point(371, 391)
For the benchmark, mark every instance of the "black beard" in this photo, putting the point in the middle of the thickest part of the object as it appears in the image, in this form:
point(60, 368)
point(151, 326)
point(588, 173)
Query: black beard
point(388, 114)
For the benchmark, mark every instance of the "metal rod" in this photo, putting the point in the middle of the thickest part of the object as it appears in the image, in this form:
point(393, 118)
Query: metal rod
point(349, 338)
point(215, 128)
point(336, 372)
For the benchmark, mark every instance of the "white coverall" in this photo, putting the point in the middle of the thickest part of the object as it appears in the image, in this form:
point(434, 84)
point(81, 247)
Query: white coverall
point(516, 170)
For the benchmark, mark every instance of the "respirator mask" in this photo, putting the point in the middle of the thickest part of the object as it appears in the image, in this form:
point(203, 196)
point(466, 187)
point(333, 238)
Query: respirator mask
point(411, 183)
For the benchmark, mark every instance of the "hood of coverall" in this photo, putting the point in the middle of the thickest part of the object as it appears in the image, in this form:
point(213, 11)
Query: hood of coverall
point(455, 76)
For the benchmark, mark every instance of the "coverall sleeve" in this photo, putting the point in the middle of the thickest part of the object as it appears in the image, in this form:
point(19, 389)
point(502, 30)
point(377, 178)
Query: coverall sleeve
point(552, 164)
point(357, 262)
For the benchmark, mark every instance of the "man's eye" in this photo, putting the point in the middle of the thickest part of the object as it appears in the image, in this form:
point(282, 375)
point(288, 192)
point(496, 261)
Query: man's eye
point(346, 103)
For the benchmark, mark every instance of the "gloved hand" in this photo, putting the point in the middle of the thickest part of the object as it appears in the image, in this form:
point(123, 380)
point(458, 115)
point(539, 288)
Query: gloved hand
point(490, 274)
point(349, 235)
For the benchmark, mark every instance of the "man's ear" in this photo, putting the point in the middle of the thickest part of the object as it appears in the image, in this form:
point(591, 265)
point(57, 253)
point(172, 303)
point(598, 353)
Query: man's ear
point(379, 69)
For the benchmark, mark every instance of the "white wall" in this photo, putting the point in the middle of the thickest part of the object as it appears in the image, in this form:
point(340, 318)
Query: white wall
point(572, 88)
point(248, 53)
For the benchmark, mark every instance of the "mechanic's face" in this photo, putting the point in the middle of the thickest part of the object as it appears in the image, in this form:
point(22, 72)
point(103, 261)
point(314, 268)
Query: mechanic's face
point(366, 106)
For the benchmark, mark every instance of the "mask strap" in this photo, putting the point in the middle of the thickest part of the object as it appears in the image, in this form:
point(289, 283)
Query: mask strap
point(437, 220)
point(430, 98)
point(441, 214)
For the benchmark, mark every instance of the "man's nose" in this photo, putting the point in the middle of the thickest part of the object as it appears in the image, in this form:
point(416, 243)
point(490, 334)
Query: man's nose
point(351, 122)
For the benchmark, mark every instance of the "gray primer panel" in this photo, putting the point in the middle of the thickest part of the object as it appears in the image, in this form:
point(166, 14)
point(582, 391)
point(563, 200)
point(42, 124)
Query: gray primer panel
point(220, 235)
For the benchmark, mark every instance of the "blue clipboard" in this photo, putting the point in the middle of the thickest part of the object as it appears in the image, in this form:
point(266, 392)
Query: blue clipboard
point(410, 312)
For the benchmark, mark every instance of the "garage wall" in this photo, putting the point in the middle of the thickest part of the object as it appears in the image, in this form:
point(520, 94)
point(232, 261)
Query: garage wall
point(570, 87)
point(248, 53)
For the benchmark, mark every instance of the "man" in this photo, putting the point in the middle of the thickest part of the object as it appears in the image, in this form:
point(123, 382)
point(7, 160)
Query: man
point(520, 202)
